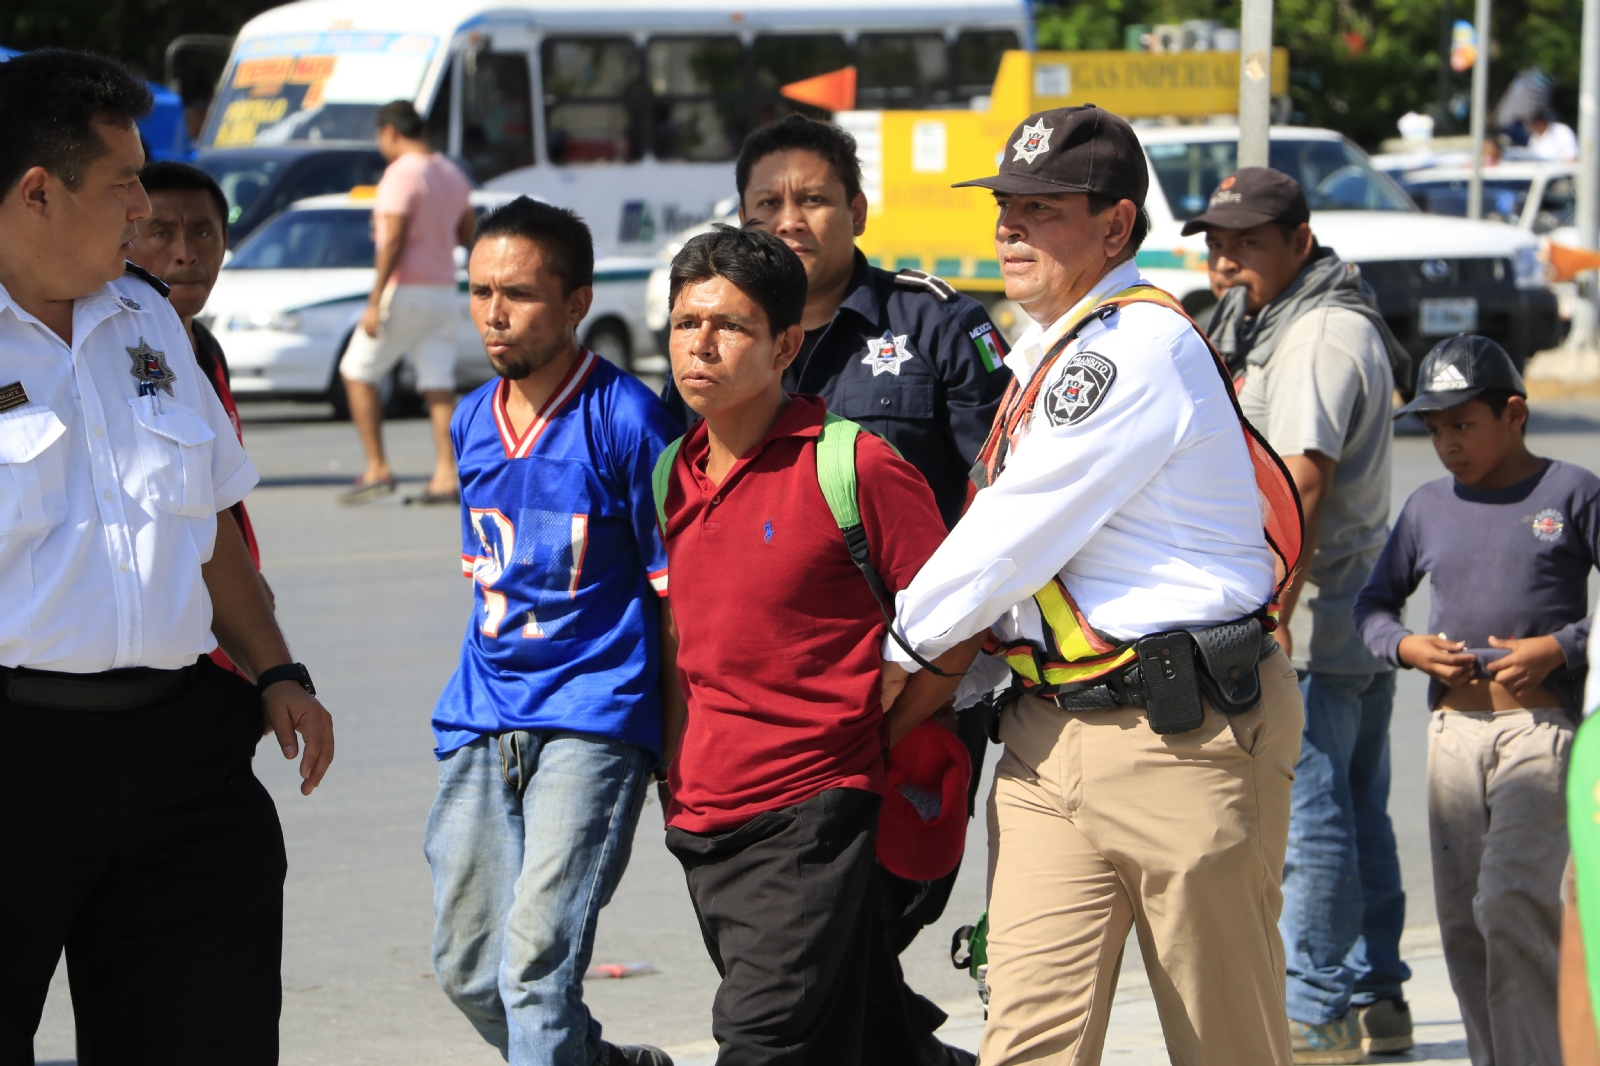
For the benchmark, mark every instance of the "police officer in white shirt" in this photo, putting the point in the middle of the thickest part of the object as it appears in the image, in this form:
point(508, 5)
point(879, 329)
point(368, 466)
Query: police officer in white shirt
point(135, 836)
point(1118, 551)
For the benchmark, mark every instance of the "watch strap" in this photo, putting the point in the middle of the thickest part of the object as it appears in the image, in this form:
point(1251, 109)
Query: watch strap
point(295, 672)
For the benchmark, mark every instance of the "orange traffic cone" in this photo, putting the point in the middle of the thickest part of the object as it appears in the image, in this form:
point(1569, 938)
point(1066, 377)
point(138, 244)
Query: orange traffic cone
point(1567, 263)
point(834, 91)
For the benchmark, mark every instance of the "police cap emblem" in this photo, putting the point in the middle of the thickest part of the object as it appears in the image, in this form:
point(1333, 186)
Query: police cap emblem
point(1076, 394)
point(1032, 143)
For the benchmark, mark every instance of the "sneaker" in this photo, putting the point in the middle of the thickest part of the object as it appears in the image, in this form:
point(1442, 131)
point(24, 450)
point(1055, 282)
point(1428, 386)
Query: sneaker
point(1386, 1026)
point(1331, 1044)
point(366, 491)
point(633, 1055)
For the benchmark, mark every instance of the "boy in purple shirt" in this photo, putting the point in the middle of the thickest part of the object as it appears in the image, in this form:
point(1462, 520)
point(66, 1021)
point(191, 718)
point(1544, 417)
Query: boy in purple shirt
point(1507, 543)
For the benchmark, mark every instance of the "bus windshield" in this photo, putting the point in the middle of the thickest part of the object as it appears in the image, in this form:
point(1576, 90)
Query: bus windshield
point(1334, 175)
point(315, 86)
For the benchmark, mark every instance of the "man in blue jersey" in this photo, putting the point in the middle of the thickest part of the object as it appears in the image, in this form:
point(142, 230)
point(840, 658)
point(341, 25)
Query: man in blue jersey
point(551, 725)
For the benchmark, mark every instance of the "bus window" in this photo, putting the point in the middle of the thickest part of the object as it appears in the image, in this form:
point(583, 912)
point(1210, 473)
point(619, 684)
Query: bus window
point(698, 90)
point(978, 55)
point(780, 60)
point(592, 103)
point(902, 70)
point(496, 131)
point(438, 120)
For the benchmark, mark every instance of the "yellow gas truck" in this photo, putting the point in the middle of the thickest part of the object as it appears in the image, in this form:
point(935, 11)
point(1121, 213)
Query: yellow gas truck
point(909, 159)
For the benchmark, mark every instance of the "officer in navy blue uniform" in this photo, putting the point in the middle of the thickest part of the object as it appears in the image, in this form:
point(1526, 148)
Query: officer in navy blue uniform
point(904, 355)
point(911, 359)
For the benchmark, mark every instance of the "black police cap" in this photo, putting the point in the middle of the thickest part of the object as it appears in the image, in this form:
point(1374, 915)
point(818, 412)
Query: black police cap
point(1072, 149)
point(1250, 197)
point(1458, 369)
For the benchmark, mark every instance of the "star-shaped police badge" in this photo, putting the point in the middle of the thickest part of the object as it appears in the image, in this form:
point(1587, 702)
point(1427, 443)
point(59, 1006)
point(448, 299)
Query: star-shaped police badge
point(1083, 383)
point(150, 367)
point(1034, 142)
point(886, 353)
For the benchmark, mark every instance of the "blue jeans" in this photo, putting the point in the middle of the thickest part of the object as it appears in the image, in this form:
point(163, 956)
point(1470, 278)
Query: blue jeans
point(528, 839)
point(1343, 907)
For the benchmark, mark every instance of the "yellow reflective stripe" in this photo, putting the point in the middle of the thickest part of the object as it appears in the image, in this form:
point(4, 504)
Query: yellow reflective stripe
point(1021, 661)
point(1062, 675)
point(1070, 637)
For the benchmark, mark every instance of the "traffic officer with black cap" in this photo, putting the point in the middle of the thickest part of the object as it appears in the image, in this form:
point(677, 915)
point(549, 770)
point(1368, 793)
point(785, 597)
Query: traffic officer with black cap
point(1124, 551)
point(134, 833)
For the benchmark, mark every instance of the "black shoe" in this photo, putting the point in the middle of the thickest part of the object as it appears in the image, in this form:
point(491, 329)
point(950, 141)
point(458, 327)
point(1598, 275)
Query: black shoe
point(633, 1055)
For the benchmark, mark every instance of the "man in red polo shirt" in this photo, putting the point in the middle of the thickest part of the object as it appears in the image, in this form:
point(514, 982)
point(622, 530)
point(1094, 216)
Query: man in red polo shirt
point(776, 784)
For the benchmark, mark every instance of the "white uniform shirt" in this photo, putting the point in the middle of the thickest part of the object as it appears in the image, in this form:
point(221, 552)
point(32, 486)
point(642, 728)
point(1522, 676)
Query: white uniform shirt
point(1133, 483)
point(108, 499)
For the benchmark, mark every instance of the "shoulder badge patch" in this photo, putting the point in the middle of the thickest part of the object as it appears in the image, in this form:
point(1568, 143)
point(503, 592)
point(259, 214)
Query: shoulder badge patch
point(990, 347)
point(1548, 524)
point(1084, 382)
point(150, 367)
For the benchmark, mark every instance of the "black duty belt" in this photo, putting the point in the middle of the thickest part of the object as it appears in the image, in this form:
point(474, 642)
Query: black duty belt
point(113, 690)
point(1218, 663)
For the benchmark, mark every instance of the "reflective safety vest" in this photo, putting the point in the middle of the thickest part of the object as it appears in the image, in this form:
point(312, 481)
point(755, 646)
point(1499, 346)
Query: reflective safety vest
point(1074, 652)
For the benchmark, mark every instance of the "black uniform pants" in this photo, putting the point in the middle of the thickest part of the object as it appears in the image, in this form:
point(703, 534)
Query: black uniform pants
point(787, 905)
point(141, 843)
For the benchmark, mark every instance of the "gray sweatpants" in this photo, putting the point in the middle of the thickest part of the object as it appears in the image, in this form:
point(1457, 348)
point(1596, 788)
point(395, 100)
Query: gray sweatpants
point(1498, 823)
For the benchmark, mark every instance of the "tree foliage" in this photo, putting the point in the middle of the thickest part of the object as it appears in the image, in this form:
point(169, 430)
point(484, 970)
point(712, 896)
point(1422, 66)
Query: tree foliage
point(1358, 65)
point(134, 31)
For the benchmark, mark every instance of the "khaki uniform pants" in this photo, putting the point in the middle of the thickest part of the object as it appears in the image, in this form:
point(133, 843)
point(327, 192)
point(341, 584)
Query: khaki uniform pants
point(1097, 824)
point(1497, 818)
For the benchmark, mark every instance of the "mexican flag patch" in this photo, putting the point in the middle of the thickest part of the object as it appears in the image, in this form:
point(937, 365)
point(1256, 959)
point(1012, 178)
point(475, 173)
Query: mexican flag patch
point(990, 347)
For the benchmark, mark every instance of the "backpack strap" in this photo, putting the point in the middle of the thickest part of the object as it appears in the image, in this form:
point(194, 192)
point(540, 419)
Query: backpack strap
point(661, 481)
point(836, 476)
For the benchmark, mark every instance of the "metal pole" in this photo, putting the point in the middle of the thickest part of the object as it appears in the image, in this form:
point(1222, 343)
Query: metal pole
point(1480, 105)
point(1588, 309)
point(1447, 20)
point(1255, 82)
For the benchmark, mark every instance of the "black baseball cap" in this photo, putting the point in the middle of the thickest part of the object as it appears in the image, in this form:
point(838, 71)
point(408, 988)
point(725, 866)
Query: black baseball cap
point(1249, 197)
point(1072, 149)
point(1458, 369)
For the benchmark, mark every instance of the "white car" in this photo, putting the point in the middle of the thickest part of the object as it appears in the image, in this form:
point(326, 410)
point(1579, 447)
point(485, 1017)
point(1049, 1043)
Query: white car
point(290, 296)
point(1540, 198)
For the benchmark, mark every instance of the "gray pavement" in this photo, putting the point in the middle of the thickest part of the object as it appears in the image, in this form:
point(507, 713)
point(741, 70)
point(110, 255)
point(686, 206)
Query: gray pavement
point(373, 601)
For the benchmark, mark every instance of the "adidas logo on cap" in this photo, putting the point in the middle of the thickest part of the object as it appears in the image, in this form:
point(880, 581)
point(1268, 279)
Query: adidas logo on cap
point(1448, 378)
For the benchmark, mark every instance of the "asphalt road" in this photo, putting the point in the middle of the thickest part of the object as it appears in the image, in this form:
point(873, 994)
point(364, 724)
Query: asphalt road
point(373, 601)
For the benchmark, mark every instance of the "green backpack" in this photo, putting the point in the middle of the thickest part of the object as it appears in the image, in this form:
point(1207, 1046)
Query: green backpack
point(836, 476)
point(1583, 831)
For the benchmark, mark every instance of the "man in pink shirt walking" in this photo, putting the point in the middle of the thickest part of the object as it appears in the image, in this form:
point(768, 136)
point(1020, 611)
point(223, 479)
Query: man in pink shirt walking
point(421, 215)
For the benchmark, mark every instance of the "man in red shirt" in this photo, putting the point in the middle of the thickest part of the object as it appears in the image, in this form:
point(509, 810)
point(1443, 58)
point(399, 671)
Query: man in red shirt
point(777, 781)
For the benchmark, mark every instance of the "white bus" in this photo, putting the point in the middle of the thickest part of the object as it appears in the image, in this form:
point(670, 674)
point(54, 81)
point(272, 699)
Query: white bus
point(630, 112)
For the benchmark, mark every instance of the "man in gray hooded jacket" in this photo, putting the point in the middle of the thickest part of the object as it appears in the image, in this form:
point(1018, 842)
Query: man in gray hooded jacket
point(1316, 368)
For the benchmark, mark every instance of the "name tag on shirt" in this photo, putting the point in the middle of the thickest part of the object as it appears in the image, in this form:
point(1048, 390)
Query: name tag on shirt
point(12, 395)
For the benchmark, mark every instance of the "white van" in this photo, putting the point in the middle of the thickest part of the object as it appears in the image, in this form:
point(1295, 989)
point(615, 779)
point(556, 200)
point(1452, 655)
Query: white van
point(629, 112)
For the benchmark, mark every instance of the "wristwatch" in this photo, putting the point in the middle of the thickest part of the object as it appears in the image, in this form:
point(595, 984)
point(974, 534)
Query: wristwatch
point(287, 672)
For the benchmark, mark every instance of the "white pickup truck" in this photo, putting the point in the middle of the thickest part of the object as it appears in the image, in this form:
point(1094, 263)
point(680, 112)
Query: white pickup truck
point(1434, 276)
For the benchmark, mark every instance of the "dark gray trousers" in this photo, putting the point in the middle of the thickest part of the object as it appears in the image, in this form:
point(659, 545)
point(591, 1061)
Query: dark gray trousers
point(788, 909)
